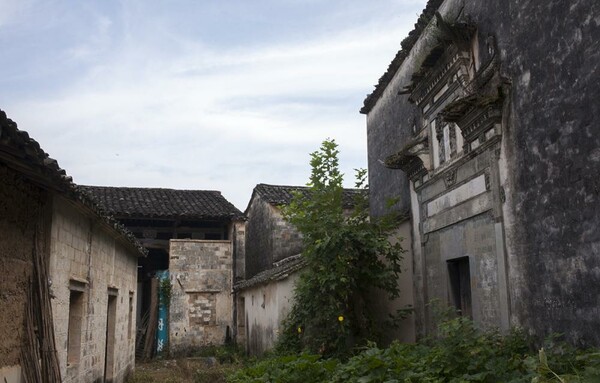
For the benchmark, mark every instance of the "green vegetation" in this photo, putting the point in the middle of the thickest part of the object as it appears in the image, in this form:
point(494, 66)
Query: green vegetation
point(327, 334)
point(459, 353)
point(347, 256)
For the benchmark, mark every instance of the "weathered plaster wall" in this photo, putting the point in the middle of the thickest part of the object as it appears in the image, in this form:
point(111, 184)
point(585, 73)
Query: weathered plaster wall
point(269, 237)
point(201, 310)
point(20, 206)
point(266, 306)
point(382, 306)
point(85, 254)
point(549, 162)
point(389, 127)
point(554, 149)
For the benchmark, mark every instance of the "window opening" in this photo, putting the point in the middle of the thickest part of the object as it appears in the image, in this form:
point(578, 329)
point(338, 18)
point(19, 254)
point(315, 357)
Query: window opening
point(130, 317)
point(111, 322)
point(76, 309)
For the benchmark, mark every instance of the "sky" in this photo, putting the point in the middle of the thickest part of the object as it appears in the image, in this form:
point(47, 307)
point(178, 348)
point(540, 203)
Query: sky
point(196, 94)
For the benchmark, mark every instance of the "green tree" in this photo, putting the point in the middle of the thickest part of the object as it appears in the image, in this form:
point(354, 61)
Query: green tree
point(347, 256)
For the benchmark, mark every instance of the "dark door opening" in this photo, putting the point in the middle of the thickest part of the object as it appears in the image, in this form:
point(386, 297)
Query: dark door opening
point(111, 322)
point(459, 274)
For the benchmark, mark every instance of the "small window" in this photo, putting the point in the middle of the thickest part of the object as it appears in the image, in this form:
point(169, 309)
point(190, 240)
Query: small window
point(111, 339)
point(448, 142)
point(130, 318)
point(460, 285)
point(76, 310)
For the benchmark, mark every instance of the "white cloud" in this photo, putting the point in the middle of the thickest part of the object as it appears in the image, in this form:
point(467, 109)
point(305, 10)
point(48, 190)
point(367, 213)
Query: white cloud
point(11, 12)
point(210, 118)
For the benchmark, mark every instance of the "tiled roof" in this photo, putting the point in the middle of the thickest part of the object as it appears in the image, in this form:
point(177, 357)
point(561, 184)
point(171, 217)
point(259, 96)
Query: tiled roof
point(163, 203)
point(25, 153)
point(280, 270)
point(406, 45)
point(282, 195)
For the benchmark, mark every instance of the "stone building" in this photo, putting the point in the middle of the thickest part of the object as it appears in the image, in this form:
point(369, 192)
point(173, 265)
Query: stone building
point(272, 265)
point(272, 261)
point(198, 237)
point(69, 274)
point(486, 125)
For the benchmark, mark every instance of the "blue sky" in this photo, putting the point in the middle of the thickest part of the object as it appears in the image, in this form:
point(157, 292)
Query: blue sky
point(217, 95)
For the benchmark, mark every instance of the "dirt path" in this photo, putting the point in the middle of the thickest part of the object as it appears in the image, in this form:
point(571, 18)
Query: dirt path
point(187, 370)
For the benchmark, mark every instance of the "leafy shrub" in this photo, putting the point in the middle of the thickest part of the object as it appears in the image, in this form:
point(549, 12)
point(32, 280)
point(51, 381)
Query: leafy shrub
point(458, 353)
point(303, 368)
point(346, 255)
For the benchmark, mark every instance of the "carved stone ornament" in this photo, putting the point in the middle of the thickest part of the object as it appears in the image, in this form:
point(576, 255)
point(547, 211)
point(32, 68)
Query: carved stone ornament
point(450, 178)
point(481, 107)
point(502, 194)
point(413, 158)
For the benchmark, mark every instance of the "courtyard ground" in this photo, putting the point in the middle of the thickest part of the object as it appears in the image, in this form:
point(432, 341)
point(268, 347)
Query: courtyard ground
point(184, 370)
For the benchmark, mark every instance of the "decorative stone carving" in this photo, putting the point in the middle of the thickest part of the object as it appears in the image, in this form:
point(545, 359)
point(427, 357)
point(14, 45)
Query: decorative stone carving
point(413, 158)
point(450, 178)
point(502, 194)
point(481, 108)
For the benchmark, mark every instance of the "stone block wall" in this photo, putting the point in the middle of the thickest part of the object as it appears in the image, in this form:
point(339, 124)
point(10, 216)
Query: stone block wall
point(287, 240)
point(380, 303)
point(270, 238)
point(201, 307)
point(87, 259)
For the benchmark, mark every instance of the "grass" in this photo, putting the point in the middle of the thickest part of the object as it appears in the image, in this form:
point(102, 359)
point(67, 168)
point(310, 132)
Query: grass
point(184, 370)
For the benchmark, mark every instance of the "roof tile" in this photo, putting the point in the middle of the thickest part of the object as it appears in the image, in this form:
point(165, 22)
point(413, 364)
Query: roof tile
point(163, 203)
point(282, 195)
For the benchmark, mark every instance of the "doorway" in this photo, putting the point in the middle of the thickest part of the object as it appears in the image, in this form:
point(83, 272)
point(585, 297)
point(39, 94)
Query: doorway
point(459, 274)
point(111, 322)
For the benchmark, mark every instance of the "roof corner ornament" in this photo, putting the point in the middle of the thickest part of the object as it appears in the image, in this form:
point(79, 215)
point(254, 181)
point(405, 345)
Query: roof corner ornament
point(413, 158)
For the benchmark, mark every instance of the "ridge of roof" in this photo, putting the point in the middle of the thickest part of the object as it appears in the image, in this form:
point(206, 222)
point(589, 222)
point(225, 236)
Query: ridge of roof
point(151, 188)
point(282, 194)
point(163, 203)
point(406, 45)
point(30, 152)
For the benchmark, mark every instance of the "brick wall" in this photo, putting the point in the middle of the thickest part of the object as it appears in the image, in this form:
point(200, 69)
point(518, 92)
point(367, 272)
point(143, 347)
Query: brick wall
point(86, 257)
point(201, 309)
point(269, 237)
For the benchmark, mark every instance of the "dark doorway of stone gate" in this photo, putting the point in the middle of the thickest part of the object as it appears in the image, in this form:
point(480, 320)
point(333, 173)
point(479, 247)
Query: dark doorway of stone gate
point(460, 285)
point(111, 324)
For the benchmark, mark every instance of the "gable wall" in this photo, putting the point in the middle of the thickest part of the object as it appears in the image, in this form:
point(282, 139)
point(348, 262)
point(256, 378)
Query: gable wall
point(269, 237)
